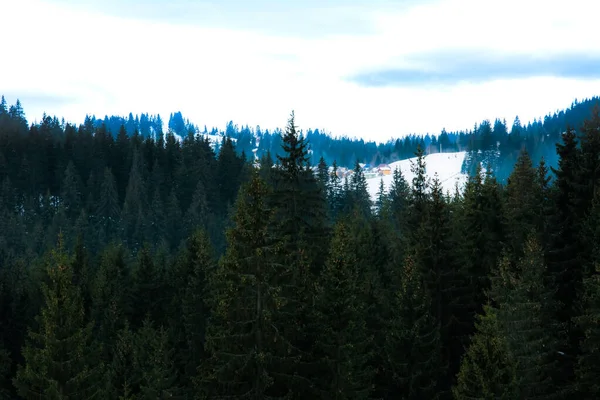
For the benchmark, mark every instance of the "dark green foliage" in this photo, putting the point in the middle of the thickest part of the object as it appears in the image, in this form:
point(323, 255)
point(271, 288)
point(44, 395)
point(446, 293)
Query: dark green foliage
point(5, 364)
point(387, 311)
point(522, 197)
point(323, 174)
point(436, 260)
point(334, 192)
point(111, 296)
point(299, 203)
point(154, 364)
point(61, 359)
point(190, 311)
point(342, 340)
point(244, 338)
point(400, 200)
point(487, 371)
point(419, 196)
point(588, 363)
point(412, 343)
point(147, 289)
point(357, 198)
point(107, 214)
point(564, 248)
point(524, 309)
point(143, 366)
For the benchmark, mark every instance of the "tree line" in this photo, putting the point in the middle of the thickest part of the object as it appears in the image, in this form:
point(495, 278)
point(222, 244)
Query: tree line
point(494, 144)
point(135, 268)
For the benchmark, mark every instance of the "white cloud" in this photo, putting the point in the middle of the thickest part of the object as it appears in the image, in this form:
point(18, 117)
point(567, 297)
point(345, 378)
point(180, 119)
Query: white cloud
point(115, 65)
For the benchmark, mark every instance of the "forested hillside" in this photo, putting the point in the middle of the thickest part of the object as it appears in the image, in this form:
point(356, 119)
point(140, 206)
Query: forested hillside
point(495, 145)
point(141, 268)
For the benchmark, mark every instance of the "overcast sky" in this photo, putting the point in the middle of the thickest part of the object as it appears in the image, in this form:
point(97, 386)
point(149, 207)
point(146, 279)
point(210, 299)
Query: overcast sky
point(369, 68)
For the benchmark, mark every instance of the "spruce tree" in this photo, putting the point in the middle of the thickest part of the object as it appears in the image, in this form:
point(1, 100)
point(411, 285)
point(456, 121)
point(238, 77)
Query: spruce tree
point(434, 250)
point(298, 202)
point(107, 212)
point(487, 370)
point(190, 310)
point(153, 361)
point(147, 290)
point(110, 295)
point(420, 193)
point(564, 268)
point(400, 200)
point(588, 363)
point(524, 310)
point(5, 367)
point(134, 207)
point(360, 198)
point(71, 192)
point(61, 359)
point(299, 226)
point(413, 340)
point(334, 192)
point(521, 198)
point(382, 202)
point(323, 174)
point(123, 377)
point(342, 341)
point(197, 215)
point(244, 338)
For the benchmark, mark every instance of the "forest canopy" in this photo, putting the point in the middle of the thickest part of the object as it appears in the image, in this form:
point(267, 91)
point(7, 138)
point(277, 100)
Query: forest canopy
point(137, 265)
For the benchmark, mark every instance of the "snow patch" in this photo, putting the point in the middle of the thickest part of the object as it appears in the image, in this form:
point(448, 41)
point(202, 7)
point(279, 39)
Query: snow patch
point(446, 165)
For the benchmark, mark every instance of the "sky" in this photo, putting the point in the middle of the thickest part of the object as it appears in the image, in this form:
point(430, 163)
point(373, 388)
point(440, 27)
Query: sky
point(375, 69)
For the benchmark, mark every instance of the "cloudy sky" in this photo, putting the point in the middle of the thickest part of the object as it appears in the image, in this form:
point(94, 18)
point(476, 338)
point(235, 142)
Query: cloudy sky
point(370, 68)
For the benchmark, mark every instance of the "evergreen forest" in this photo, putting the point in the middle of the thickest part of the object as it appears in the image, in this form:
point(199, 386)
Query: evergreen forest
point(141, 265)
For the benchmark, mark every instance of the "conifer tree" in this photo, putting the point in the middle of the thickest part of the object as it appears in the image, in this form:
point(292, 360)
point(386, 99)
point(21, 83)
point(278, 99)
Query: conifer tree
point(266, 167)
point(244, 339)
point(110, 294)
point(108, 212)
point(197, 215)
point(156, 222)
point(135, 204)
point(543, 202)
point(173, 217)
point(147, 289)
point(123, 378)
point(298, 202)
point(588, 168)
point(434, 250)
point(228, 172)
point(588, 363)
point(564, 267)
point(400, 200)
point(334, 192)
point(419, 196)
point(323, 174)
point(487, 370)
point(524, 307)
point(412, 341)
point(342, 340)
point(154, 363)
point(190, 311)
point(300, 227)
point(71, 192)
point(382, 203)
point(360, 198)
point(521, 207)
point(5, 367)
point(61, 358)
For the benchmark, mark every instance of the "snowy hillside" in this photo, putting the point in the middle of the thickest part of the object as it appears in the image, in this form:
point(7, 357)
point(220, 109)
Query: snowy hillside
point(446, 165)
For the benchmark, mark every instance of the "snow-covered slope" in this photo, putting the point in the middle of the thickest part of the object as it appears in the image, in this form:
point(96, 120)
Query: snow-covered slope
point(446, 165)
